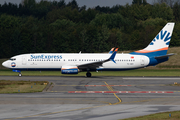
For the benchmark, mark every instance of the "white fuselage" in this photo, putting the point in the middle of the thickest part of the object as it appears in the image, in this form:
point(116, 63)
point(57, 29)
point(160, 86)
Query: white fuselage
point(50, 61)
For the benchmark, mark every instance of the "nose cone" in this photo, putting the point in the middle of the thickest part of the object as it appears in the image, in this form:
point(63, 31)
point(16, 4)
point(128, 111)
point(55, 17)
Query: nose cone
point(5, 64)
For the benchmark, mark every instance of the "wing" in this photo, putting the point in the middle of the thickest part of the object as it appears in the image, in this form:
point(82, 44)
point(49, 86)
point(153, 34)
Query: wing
point(94, 65)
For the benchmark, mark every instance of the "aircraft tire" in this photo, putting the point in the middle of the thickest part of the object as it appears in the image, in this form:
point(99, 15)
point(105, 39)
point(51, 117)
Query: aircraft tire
point(20, 75)
point(88, 74)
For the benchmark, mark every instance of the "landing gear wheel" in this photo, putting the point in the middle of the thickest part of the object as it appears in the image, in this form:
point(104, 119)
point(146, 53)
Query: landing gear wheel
point(88, 74)
point(20, 75)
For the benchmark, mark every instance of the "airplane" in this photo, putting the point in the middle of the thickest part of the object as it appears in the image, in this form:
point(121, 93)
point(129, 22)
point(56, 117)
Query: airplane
point(73, 63)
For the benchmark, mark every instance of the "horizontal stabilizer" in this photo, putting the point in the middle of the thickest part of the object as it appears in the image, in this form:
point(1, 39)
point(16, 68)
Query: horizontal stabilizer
point(164, 56)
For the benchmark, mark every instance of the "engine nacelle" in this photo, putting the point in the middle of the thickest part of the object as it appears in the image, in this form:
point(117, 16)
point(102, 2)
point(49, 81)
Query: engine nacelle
point(69, 70)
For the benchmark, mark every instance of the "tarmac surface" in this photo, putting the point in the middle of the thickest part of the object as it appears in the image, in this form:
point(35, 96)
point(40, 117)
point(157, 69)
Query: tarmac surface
point(92, 98)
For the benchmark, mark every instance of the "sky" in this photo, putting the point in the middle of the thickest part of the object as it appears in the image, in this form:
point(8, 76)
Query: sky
point(88, 3)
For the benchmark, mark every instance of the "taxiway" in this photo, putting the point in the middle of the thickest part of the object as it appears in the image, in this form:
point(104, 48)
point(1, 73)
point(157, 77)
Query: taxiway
point(92, 98)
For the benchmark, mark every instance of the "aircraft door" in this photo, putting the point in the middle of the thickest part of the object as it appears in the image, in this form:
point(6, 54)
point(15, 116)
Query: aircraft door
point(24, 60)
point(142, 60)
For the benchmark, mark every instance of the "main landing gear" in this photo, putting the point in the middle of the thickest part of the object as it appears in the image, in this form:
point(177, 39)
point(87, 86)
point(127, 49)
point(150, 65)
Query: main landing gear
point(88, 74)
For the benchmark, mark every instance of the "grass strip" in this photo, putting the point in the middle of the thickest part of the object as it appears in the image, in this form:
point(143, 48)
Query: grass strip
point(175, 115)
point(7, 86)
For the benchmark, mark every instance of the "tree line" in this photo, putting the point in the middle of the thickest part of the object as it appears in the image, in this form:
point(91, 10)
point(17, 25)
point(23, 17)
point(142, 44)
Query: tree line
point(59, 27)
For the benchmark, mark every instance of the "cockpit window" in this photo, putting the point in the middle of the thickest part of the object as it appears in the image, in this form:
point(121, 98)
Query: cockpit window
point(12, 59)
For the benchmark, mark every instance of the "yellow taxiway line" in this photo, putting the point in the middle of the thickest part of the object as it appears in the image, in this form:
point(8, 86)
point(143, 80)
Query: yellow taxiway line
point(111, 89)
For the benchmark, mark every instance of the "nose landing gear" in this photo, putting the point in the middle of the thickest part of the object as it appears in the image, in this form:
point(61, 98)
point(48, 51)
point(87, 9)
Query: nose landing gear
point(18, 72)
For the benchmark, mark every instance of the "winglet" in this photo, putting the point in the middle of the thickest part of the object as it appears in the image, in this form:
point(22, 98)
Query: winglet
point(111, 51)
point(113, 55)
